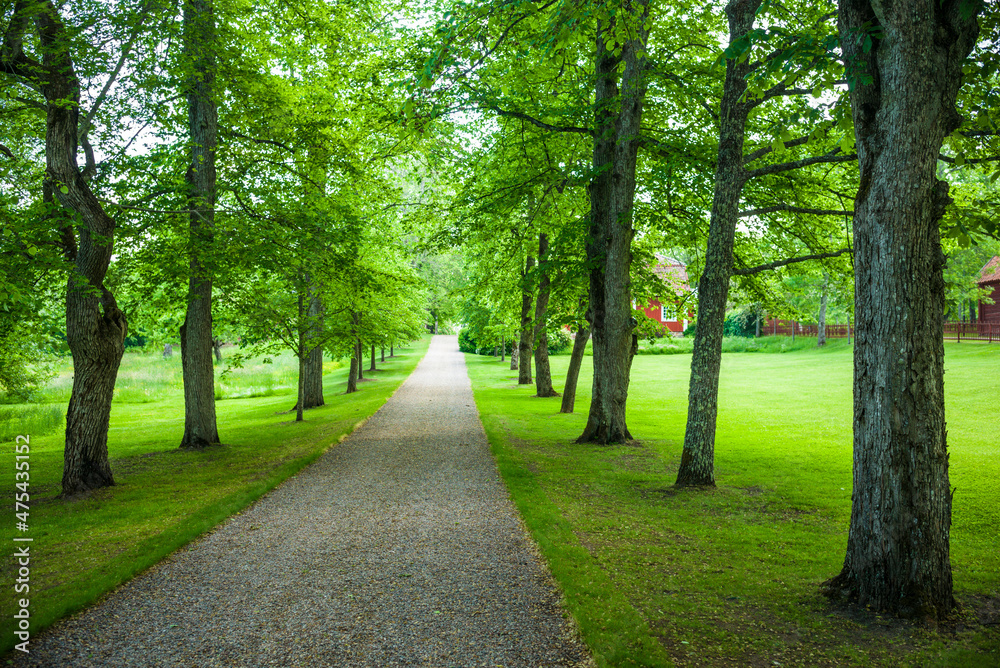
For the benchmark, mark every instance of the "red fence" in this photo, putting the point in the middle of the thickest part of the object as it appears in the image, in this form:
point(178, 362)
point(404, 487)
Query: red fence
point(959, 331)
point(785, 328)
point(972, 331)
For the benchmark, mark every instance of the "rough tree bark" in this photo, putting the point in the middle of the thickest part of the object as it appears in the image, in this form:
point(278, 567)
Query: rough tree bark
point(524, 344)
point(300, 351)
point(697, 467)
point(217, 348)
point(200, 428)
point(311, 395)
point(898, 545)
point(573, 373)
point(95, 326)
point(543, 374)
point(513, 358)
point(352, 375)
point(612, 193)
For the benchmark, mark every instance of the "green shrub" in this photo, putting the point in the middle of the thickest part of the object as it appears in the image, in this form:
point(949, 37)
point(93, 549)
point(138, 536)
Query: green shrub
point(740, 323)
point(558, 340)
point(466, 343)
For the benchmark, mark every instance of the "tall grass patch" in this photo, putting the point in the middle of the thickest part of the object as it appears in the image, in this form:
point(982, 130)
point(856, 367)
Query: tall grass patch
point(38, 419)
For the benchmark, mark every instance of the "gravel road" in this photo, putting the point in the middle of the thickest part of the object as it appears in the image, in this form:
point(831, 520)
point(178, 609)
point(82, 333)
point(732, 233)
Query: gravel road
point(398, 547)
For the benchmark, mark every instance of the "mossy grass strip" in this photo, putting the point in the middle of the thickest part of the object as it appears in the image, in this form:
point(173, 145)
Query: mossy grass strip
point(616, 633)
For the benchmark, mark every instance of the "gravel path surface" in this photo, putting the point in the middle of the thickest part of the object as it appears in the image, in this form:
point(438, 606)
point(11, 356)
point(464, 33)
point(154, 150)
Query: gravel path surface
point(398, 547)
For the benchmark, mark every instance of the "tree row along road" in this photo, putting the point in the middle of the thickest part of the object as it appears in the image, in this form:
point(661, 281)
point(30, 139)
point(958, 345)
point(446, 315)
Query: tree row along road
point(398, 547)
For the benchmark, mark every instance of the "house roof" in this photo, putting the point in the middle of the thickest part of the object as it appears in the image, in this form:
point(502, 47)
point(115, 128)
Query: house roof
point(990, 272)
point(671, 272)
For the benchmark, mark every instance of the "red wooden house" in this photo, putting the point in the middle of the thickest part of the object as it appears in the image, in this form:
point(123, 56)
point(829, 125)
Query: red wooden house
point(990, 279)
point(667, 313)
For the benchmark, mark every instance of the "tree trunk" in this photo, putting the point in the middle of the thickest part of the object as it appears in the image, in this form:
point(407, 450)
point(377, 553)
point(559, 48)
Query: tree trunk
point(359, 352)
point(372, 367)
point(96, 357)
point(312, 373)
point(525, 342)
point(300, 354)
point(392, 349)
point(612, 194)
point(697, 466)
point(200, 428)
point(95, 326)
point(573, 373)
point(898, 545)
point(353, 374)
point(503, 349)
point(168, 351)
point(312, 381)
point(382, 352)
point(543, 374)
point(513, 358)
point(821, 321)
point(217, 348)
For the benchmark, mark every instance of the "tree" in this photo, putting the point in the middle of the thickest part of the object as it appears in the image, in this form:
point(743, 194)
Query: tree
point(543, 374)
point(905, 79)
point(95, 326)
point(697, 467)
point(526, 340)
point(619, 94)
point(200, 428)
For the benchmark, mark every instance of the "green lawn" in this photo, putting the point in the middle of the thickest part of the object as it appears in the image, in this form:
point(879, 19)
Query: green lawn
point(165, 497)
point(731, 577)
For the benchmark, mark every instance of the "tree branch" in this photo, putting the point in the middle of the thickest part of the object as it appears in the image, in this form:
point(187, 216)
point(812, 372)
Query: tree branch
point(972, 161)
point(749, 271)
point(88, 120)
point(255, 140)
point(12, 57)
point(538, 123)
point(764, 150)
point(797, 164)
point(794, 209)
